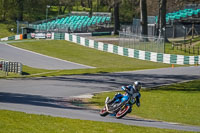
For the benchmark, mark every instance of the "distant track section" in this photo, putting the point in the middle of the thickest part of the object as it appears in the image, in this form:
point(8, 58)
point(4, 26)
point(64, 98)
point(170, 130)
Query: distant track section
point(36, 60)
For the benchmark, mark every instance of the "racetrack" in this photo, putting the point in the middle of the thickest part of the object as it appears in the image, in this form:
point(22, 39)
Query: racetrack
point(36, 60)
point(51, 95)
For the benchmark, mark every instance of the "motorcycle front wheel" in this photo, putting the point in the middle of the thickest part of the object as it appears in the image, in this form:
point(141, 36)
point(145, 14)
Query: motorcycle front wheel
point(122, 112)
point(103, 112)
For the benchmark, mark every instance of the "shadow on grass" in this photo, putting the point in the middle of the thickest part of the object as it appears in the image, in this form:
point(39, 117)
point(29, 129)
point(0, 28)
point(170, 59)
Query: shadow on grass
point(25, 73)
point(137, 119)
point(169, 88)
point(174, 89)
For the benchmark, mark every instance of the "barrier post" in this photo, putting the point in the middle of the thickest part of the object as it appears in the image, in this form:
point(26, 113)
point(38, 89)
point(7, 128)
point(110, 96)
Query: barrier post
point(6, 68)
point(21, 36)
point(172, 65)
point(196, 64)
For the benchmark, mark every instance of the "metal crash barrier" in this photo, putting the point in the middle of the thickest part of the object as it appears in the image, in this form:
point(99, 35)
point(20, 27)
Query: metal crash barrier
point(14, 67)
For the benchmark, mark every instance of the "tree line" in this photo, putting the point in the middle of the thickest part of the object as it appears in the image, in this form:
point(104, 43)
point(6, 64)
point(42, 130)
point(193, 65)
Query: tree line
point(123, 10)
point(33, 10)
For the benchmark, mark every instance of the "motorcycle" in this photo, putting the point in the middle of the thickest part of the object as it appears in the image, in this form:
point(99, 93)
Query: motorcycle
point(119, 106)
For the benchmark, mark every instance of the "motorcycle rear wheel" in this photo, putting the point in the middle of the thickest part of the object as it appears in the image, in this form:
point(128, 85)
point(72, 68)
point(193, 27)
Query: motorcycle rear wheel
point(103, 112)
point(121, 113)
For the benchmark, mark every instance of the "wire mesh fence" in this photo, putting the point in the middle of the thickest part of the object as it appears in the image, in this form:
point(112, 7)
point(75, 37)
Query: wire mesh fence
point(186, 48)
point(139, 42)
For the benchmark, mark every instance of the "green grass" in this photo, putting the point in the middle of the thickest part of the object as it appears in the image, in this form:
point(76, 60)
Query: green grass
point(26, 72)
point(17, 122)
point(31, 71)
point(3, 74)
point(83, 55)
point(175, 103)
point(4, 31)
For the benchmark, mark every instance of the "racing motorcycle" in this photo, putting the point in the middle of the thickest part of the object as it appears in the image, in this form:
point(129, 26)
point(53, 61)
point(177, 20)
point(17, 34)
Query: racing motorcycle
point(119, 106)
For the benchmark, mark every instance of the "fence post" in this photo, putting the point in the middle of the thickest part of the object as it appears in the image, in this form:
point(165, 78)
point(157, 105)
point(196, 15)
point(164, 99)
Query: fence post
point(172, 45)
point(181, 46)
point(185, 48)
point(6, 68)
point(20, 70)
point(189, 49)
point(17, 67)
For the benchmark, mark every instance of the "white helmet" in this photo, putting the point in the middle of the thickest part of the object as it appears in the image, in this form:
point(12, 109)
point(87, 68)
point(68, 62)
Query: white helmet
point(137, 85)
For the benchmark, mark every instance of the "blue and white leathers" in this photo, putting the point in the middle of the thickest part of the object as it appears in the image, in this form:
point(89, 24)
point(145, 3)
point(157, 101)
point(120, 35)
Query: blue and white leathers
point(131, 91)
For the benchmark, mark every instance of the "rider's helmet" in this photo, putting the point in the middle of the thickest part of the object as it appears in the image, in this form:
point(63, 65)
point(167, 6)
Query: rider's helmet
point(137, 85)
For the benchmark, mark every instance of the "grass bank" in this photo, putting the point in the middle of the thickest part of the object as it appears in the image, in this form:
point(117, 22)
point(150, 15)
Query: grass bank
point(175, 103)
point(17, 122)
point(103, 61)
point(5, 31)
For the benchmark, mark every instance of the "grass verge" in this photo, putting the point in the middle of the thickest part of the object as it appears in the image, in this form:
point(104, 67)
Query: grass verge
point(174, 103)
point(17, 122)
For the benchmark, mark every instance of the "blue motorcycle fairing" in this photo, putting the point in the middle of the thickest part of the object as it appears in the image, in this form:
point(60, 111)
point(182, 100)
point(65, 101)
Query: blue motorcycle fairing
point(117, 101)
point(124, 98)
point(119, 95)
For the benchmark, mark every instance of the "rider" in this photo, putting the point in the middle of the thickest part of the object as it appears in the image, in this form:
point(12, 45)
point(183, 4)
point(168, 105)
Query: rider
point(132, 90)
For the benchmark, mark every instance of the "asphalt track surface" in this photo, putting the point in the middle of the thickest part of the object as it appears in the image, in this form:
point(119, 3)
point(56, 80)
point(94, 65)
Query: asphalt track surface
point(36, 60)
point(51, 95)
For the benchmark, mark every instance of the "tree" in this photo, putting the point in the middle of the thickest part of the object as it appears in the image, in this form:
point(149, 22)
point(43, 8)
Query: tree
point(64, 5)
point(20, 11)
point(143, 16)
point(162, 23)
point(97, 5)
point(90, 5)
point(115, 4)
point(4, 7)
point(116, 17)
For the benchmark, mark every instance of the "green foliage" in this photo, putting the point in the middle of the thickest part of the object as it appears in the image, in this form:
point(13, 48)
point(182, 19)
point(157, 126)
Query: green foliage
point(17, 122)
point(127, 12)
point(5, 30)
point(175, 103)
point(34, 10)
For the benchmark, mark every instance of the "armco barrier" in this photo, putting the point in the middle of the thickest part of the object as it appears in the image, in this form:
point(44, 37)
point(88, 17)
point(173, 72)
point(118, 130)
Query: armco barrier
point(133, 53)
